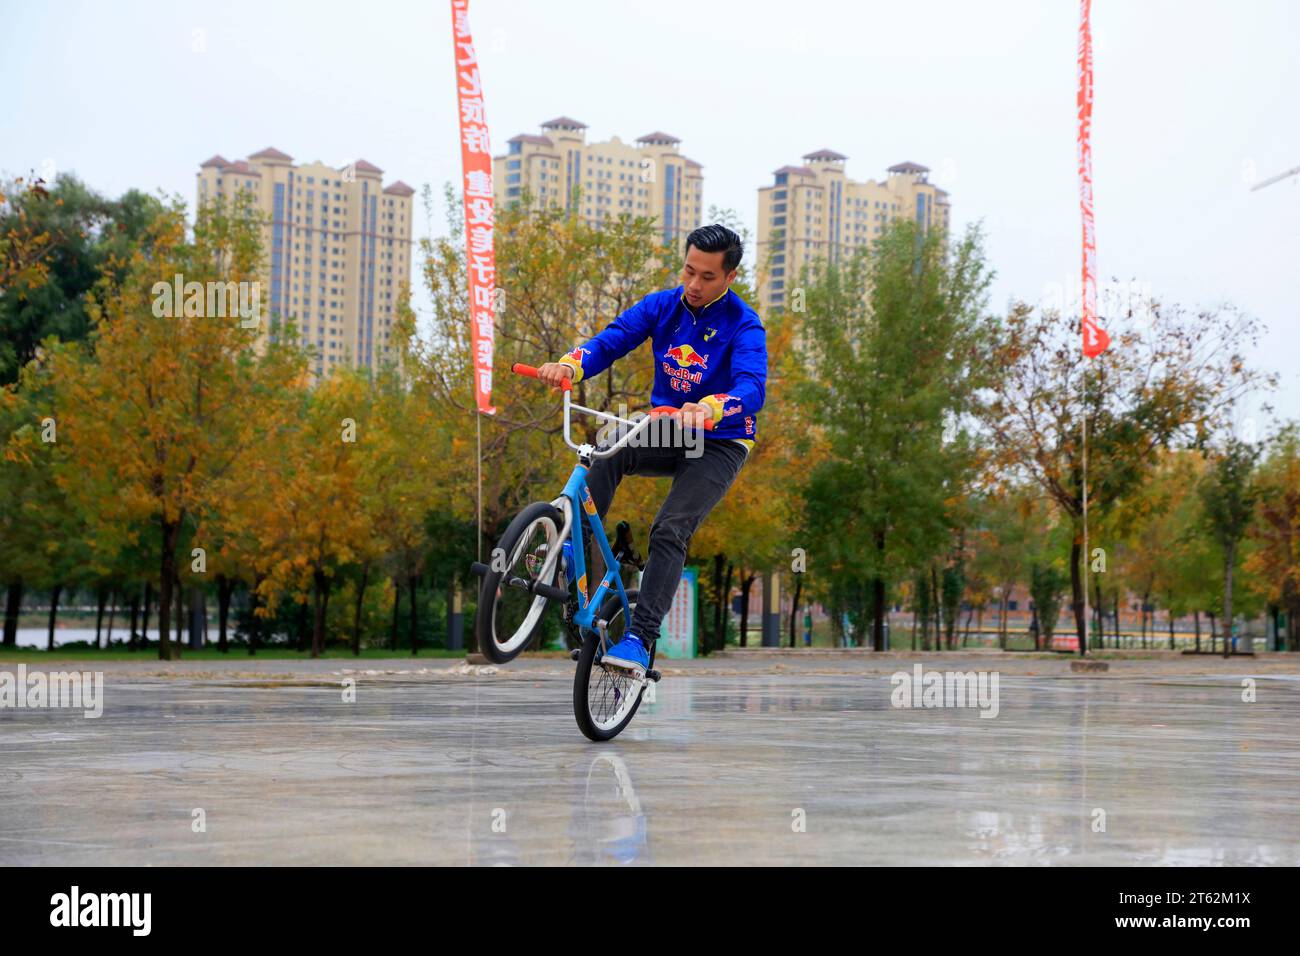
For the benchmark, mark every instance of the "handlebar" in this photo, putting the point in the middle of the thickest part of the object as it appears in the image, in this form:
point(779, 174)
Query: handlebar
point(634, 428)
point(519, 368)
point(659, 411)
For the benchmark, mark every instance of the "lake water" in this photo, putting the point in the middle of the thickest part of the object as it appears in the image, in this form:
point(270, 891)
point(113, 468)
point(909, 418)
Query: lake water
point(39, 636)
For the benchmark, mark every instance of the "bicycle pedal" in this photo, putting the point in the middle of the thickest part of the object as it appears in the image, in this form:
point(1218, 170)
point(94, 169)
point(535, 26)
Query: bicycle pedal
point(575, 653)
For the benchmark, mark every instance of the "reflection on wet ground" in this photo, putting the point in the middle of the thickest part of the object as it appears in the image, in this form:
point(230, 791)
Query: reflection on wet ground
point(763, 768)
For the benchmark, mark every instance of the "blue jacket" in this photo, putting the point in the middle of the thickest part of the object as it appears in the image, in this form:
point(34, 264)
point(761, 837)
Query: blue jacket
point(715, 355)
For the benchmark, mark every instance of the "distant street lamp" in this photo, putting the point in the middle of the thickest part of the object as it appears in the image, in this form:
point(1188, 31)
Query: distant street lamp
point(1278, 178)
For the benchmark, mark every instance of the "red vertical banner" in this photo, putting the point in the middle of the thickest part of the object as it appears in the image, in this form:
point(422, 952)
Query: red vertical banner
point(476, 171)
point(1095, 339)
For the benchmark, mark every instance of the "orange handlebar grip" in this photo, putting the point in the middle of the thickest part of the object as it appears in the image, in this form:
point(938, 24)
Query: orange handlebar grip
point(519, 368)
point(671, 412)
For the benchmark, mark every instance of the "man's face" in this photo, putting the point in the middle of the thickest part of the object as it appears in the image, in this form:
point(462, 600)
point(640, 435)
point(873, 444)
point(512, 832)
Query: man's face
point(703, 277)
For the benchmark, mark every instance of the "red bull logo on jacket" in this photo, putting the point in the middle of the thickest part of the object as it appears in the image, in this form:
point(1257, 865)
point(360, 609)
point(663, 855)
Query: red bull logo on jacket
point(686, 357)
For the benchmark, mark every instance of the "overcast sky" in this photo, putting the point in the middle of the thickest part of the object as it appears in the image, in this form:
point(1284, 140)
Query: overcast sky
point(1194, 102)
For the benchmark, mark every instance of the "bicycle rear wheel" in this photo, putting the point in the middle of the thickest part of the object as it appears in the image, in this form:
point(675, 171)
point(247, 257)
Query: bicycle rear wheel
point(510, 615)
point(605, 699)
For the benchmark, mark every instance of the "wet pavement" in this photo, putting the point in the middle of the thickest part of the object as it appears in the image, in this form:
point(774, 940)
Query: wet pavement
point(747, 760)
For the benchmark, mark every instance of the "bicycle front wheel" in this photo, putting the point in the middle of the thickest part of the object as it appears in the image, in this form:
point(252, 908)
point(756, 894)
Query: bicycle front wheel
point(605, 699)
point(509, 615)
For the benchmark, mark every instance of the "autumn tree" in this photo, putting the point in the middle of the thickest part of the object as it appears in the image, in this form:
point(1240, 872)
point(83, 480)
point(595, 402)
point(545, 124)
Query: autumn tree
point(1167, 380)
point(163, 400)
point(1276, 532)
point(1228, 494)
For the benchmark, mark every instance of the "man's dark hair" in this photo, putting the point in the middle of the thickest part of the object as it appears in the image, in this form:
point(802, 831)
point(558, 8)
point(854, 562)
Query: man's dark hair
point(718, 238)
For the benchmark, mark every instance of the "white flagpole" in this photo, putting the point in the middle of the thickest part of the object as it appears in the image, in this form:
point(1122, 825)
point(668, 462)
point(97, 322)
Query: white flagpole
point(478, 428)
point(1083, 648)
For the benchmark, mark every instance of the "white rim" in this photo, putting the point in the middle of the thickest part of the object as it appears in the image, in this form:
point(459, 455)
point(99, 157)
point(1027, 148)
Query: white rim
point(629, 687)
point(525, 629)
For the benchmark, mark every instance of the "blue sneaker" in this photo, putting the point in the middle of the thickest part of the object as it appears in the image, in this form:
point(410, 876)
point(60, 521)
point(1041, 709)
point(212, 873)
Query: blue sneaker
point(629, 654)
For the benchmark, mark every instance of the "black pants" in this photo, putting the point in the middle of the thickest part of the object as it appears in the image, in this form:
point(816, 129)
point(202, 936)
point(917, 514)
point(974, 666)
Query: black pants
point(699, 482)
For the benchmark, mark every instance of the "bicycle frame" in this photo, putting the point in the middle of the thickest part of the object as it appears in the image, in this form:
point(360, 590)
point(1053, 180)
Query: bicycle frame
point(576, 500)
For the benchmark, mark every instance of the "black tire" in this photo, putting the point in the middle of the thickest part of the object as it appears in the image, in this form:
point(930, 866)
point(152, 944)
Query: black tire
point(504, 608)
point(593, 725)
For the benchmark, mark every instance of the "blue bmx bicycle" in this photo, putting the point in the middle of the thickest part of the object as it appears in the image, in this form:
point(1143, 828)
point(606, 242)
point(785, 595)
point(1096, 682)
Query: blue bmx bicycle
point(540, 559)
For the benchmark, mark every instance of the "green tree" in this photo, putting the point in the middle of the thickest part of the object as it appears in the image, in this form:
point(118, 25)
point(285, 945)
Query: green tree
point(1276, 559)
point(85, 236)
point(895, 338)
point(1229, 494)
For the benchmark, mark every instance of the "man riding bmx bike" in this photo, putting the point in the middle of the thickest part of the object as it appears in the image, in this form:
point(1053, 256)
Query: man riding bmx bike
point(711, 361)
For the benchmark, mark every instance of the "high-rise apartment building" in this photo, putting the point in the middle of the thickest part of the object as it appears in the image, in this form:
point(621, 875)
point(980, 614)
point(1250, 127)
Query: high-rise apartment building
point(338, 246)
point(815, 211)
point(650, 178)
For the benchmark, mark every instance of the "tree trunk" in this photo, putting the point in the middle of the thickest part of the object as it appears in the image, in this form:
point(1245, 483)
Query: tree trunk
point(1101, 613)
point(99, 617)
point(148, 600)
point(135, 618)
point(923, 612)
point(1196, 616)
point(1229, 556)
point(1214, 630)
point(1146, 603)
point(914, 617)
point(878, 596)
point(356, 616)
point(719, 560)
point(254, 622)
point(746, 583)
point(397, 603)
point(304, 633)
point(198, 617)
point(225, 588)
point(938, 608)
point(112, 614)
point(166, 579)
point(1171, 629)
point(13, 607)
point(1076, 594)
point(415, 644)
point(54, 610)
point(180, 613)
point(1115, 606)
point(322, 583)
point(794, 607)
point(726, 606)
point(1002, 616)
